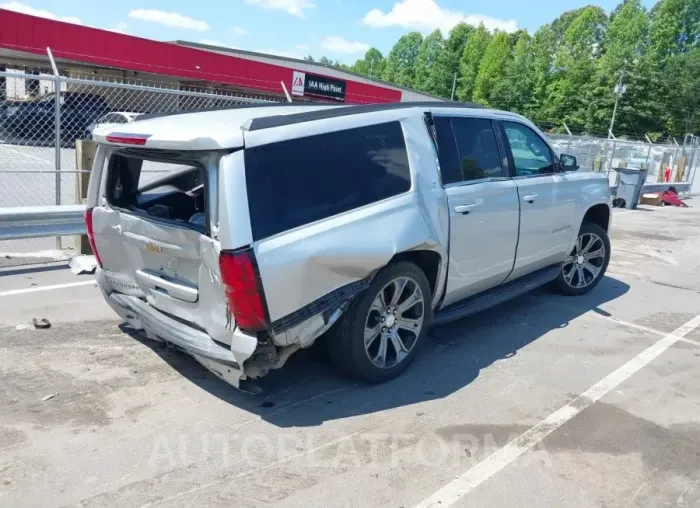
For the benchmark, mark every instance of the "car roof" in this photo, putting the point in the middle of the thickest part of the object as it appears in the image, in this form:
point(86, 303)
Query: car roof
point(223, 128)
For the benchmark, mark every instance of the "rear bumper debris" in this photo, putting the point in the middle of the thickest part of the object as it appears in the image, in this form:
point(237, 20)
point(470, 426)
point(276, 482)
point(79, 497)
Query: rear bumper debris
point(225, 362)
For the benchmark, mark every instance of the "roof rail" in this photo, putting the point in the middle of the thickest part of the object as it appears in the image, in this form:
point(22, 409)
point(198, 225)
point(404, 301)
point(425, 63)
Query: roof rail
point(269, 122)
point(149, 116)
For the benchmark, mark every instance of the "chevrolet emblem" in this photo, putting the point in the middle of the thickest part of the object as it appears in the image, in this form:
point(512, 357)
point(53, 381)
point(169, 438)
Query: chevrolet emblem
point(152, 247)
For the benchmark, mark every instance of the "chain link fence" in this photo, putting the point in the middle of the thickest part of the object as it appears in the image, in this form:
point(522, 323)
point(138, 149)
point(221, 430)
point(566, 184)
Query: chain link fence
point(38, 127)
point(664, 162)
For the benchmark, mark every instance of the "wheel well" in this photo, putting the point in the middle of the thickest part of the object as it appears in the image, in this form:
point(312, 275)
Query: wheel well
point(427, 260)
point(598, 214)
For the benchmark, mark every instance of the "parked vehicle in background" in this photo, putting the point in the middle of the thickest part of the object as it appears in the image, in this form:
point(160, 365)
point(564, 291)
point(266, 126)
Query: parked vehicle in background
point(37, 119)
point(110, 120)
point(275, 225)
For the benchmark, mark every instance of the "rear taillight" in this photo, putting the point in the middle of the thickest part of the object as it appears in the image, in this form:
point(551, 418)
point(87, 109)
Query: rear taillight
point(91, 236)
point(243, 289)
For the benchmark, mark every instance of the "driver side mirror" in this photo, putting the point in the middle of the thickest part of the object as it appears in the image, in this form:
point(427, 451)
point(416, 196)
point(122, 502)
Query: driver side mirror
point(568, 162)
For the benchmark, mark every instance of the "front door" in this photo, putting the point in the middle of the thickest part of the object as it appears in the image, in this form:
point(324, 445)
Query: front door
point(483, 206)
point(546, 208)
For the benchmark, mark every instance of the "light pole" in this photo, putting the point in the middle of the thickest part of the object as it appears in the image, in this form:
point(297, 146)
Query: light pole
point(620, 89)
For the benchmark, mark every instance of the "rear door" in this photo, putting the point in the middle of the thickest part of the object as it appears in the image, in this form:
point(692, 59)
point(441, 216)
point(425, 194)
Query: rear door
point(483, 206)
point(547, 199)
point(153, 234)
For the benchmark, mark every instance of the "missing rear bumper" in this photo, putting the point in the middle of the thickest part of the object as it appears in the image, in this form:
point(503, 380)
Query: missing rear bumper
point(218, 359)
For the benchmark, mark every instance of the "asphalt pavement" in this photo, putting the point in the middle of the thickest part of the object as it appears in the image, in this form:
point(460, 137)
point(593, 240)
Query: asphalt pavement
point(544, 401)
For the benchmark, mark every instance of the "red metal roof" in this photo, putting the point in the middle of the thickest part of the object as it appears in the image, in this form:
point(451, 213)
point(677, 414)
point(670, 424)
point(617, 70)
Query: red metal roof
point(21, 32)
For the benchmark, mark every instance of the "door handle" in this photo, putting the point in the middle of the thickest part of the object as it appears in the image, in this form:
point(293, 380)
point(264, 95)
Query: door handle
point(465, 208)
point(530, 198)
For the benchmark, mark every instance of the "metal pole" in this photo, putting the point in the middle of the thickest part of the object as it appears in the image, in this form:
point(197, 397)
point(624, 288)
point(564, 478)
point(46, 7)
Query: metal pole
point(610, 167)
point(284, 87)
point(694, 168)
point(619, 90)
point(371, 66)
point(612, 120)
point(57, 131)
point(567, 129)
point(454, 87)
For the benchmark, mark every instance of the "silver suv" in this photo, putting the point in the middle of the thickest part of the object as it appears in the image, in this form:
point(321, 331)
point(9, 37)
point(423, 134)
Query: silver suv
point(243, 235)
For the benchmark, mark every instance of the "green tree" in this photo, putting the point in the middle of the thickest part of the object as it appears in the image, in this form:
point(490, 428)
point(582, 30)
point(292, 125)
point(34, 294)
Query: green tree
point(682, 108)
point(514, 91)
point(570, 90)
point(675, 27)
point(401, 62)
point(541, 50)
point(448, 60)
point(624, 52)
point(372, 65)
point(626, 37)
point(470, 61)
point(492, 68)
point(432, 75)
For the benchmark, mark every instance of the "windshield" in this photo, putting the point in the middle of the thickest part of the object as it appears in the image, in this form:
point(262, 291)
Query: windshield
point(48, 97)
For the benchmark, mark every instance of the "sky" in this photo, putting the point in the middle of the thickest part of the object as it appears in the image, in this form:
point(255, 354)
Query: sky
point(339, 29)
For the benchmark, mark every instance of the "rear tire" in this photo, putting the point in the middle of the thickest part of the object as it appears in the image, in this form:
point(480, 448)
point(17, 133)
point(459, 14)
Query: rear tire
point(585, 266)
point(380, 334)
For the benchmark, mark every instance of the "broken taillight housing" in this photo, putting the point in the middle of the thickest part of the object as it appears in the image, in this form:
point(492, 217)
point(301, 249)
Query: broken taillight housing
point(243, 288)
point(91, 235)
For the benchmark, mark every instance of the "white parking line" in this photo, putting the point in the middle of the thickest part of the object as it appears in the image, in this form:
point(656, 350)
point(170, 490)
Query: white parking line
point(690, 341)
point(464, 484)
point(37, 289)
point(25, 154)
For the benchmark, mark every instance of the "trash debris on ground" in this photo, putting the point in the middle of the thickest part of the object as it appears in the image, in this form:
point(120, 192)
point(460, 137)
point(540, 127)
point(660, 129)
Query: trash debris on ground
point(83, 264)
point(619, 203)
point(652, 198)
point(21, 327)
point(49, 397)
point(668, 197)
point(42, 323)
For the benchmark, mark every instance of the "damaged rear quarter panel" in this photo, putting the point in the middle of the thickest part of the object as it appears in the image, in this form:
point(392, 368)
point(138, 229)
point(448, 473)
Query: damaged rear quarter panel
point(302, 265)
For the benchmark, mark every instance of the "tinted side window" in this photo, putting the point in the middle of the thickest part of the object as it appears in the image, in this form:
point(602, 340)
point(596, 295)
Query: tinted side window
point(478, 150)
point(296, 182)
point(450, 169)
point(531, 155)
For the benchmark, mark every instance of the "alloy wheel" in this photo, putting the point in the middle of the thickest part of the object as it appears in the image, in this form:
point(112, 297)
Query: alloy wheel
point(583, 266)
point(394, 322)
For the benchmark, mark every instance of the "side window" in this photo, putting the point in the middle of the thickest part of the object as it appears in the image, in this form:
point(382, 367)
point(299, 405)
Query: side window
point(531, 155)
point(478, 150)
point(117, 118)
point(299, 181)
point(450, 169)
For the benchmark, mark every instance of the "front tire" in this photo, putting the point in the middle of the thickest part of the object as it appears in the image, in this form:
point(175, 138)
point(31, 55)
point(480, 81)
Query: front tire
point(380, 335)
point(585, 266)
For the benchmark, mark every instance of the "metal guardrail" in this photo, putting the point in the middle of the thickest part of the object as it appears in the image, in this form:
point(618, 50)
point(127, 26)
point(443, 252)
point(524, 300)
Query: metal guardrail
point(67, 220)
point(41, 221)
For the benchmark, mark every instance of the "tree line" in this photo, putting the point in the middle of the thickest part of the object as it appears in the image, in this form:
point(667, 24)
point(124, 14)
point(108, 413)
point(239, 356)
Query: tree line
point(567, 71)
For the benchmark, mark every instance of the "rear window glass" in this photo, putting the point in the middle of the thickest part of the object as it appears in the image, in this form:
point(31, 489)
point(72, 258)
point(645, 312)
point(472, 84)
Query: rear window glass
point(165, 190)
point(296, 182)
